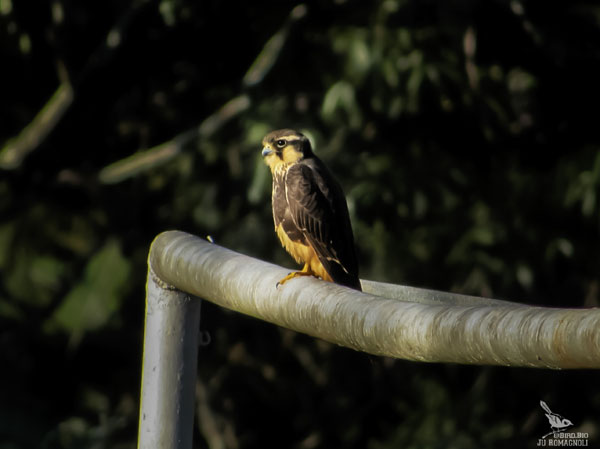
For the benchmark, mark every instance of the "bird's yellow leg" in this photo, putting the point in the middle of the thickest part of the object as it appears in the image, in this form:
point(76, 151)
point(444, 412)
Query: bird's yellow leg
point(306, 271)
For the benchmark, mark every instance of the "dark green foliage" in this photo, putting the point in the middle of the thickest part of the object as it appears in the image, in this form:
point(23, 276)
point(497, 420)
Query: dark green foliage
point(464, 133)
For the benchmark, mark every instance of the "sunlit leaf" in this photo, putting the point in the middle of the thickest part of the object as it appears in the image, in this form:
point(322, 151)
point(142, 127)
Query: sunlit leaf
point(94, 300)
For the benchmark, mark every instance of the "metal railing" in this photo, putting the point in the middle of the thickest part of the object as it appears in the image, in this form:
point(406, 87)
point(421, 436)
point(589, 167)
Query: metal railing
point(385, 319)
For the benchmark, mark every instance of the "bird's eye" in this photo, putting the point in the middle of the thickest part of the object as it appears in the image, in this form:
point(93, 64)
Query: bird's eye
point(281, 143)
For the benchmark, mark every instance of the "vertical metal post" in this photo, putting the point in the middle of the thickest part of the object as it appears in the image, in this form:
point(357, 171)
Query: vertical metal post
point(169, 367)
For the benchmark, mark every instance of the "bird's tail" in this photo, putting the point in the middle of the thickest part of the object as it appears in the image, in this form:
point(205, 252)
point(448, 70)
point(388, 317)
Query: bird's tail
point(545, 407)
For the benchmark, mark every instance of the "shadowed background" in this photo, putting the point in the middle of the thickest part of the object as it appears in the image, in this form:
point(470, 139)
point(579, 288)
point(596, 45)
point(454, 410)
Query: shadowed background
point(465, 136)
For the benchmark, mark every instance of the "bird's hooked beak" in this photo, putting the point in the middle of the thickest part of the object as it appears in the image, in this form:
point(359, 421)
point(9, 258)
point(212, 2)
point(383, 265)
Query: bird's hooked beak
point(266, 151)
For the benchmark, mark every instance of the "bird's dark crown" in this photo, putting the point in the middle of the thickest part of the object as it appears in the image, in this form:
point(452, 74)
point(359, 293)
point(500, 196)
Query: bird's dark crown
point(279, 139)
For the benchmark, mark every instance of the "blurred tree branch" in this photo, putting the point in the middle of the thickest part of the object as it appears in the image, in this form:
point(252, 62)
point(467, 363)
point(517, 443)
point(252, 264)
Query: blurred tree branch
point(16, 149)
point(266, 59)
point(160, 154)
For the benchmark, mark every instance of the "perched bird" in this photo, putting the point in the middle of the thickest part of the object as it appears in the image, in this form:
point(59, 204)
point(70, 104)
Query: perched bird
point(309, 210)
point(556, 421)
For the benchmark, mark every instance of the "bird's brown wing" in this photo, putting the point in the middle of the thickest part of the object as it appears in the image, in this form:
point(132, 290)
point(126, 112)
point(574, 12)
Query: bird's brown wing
point(318, 208)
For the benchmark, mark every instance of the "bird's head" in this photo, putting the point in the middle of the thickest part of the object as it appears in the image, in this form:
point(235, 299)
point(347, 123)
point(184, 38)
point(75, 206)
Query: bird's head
point(284, 147)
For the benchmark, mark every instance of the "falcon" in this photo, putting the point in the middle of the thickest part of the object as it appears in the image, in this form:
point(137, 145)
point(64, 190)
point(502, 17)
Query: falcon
point(309, 211)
